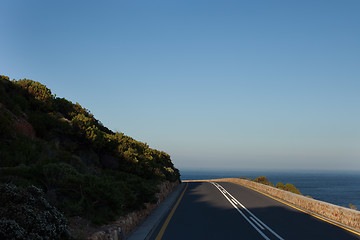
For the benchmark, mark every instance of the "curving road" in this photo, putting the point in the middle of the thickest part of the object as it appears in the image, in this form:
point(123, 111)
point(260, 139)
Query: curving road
point(230, 211)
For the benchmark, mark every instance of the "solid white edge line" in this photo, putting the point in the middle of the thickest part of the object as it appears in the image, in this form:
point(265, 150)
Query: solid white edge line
point(257, 223)
point(246, 218)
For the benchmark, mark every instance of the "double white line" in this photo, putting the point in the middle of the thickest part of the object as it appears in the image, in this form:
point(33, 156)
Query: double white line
point(256, 223)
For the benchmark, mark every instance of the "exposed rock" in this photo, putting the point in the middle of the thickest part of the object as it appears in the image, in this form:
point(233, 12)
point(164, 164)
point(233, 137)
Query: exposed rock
point(24, 127)
point(21, 125)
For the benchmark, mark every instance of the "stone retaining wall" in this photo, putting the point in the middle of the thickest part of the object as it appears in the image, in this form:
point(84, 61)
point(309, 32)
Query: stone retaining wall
point(345, 216)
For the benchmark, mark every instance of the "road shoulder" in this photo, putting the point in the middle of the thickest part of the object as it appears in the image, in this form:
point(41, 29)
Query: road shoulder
point(147, 227)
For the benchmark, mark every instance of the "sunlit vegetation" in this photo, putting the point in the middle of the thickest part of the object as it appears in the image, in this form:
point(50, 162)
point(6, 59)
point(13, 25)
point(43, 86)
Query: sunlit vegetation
point(351, 206)
point(287, 187)
point(263, 180)
point(83, 168)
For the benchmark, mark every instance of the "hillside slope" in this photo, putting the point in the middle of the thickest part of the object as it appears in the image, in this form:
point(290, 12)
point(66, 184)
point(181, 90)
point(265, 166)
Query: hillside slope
point(84, 168)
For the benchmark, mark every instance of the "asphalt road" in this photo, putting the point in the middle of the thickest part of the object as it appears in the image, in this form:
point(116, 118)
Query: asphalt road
point(230, 211)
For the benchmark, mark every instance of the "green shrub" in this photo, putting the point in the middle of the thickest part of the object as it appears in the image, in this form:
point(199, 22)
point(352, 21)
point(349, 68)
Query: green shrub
point(96, 198)
point(351, 206)
point(65, 107)
point(58, 173)
point(10, 229)
point(47, 125)
point(263, 180)
point(288, 187)
point(21, 150)
point(37, 90)
point(25, 214)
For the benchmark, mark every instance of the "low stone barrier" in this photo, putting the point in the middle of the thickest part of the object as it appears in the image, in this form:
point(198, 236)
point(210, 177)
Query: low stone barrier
point(342, 215)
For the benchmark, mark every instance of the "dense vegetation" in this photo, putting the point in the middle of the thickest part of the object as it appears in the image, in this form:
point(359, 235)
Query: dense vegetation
point(26, 214)
point(83, 168)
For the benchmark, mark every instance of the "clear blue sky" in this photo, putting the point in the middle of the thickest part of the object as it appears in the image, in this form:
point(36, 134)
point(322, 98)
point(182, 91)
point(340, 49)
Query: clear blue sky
point(216, 84)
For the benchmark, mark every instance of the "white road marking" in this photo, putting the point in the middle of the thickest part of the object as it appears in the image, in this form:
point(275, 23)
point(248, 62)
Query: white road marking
point(247, 219)
point(268, 228)
point(262, 228)
point(257, 221)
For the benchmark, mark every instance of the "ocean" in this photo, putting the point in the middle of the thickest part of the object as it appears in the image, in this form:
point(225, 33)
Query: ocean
point(336, 187)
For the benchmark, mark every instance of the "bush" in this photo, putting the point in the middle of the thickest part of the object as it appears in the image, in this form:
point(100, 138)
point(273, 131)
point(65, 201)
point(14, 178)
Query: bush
point(47, 125)
point(291, 188)
point(288, 187)
point(21, 150)
point(9, 229)
point(351, 206)
point(263, 180)
point(37, 90)
point(25, 214)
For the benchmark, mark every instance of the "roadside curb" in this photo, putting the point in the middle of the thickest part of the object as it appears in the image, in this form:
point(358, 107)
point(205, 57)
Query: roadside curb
point(151, 222)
